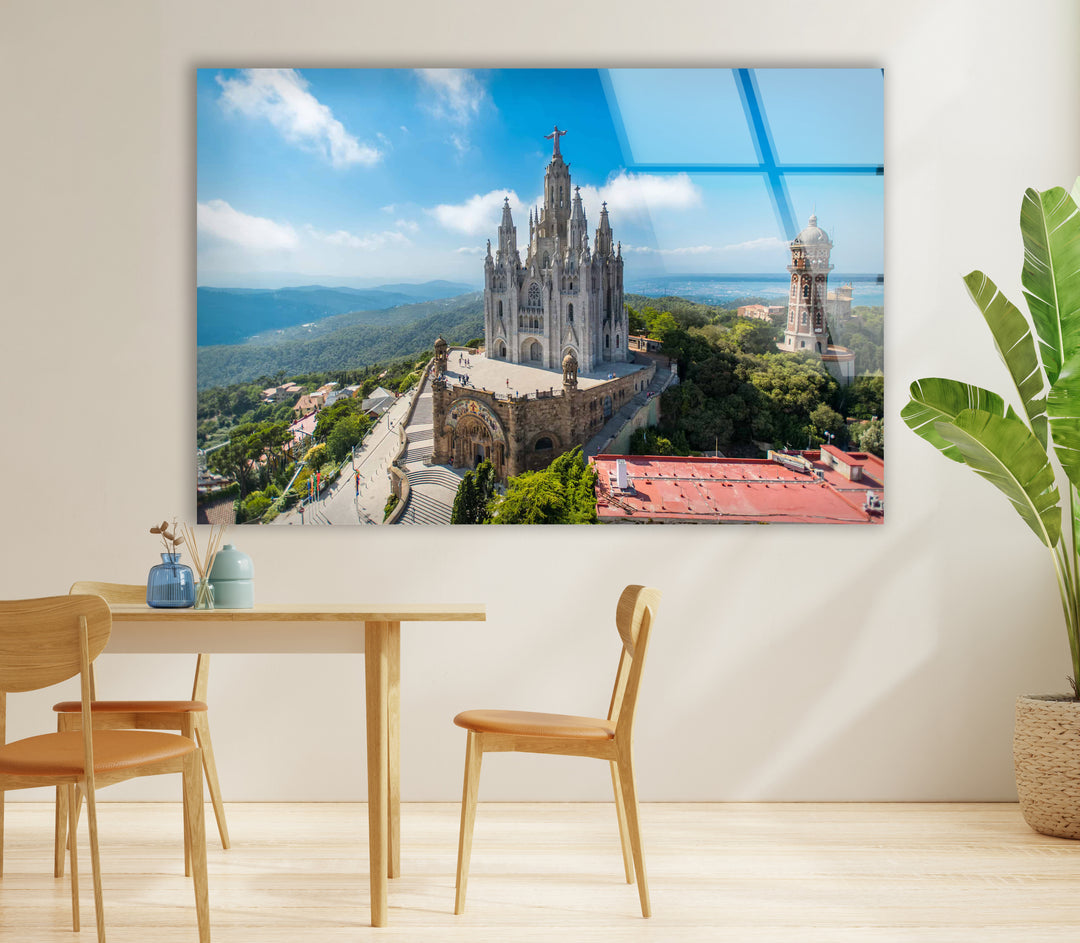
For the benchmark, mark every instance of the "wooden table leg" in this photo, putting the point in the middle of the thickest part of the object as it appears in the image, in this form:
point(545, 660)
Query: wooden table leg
point(376, 638)
point(393, 739)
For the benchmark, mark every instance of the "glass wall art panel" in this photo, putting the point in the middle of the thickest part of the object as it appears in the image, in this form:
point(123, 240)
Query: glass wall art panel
point(540, 296)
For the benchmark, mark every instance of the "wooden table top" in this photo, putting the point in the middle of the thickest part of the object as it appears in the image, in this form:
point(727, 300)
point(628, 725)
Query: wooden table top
point(310, 612)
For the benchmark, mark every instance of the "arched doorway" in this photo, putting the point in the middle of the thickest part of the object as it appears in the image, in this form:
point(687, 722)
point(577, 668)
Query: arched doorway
point(532, 350)
point(473, 443)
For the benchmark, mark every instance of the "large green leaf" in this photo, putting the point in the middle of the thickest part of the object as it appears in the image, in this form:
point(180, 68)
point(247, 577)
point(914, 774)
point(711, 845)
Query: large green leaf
point(934, 399)
point(1063, 404)
point(1051, 274)
point(1003, 450)
point(1012, 335)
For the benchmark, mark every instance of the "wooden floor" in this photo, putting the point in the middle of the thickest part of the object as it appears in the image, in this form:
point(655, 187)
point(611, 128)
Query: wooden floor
point(740, 872)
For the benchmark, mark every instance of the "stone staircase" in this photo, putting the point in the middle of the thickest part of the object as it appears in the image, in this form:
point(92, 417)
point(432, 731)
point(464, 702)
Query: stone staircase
point(432, 488)
point(431, 495)
point(420, 446)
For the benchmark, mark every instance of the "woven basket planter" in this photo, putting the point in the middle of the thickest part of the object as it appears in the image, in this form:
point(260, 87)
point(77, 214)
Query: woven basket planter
point(1046, 756)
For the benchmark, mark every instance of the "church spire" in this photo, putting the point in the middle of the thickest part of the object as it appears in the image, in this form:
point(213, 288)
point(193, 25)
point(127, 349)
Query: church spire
point(578, 226)
point(603, 233)
point(507, 235)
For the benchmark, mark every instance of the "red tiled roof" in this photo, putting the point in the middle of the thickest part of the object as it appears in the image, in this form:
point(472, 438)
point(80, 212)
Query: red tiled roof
point(222, 511)
point(723, 490)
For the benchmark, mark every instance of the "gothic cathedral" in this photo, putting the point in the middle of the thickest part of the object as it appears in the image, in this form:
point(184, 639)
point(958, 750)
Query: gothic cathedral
point(566, 299)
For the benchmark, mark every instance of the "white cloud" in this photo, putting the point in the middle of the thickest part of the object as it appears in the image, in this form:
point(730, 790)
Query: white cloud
point(281, 96)
point(389, 208)
point(764, 242)
point(682, 250)
point(456, 94)
point(471, 250)
point(218, 219)
point(407, 225)
point(453, 95)
point(480, 213)
point(632, 196)
point(367, 242)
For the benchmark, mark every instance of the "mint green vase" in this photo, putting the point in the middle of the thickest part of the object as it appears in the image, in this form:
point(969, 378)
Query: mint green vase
point(233, 579)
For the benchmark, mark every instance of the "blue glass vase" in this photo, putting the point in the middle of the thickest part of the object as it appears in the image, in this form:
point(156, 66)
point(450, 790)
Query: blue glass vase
point(171, 584)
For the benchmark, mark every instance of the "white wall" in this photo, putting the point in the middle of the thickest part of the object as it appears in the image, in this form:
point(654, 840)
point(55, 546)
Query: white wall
point(788, 663)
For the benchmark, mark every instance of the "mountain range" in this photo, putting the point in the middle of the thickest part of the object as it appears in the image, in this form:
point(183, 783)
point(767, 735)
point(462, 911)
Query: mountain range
point(234, 315)
point(342, 341)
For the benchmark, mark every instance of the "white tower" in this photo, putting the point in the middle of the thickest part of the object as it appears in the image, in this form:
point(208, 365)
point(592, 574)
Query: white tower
point(807, 328)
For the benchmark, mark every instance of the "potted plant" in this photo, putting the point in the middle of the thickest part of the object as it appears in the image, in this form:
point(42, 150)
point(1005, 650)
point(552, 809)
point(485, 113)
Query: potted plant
point(1033, 457)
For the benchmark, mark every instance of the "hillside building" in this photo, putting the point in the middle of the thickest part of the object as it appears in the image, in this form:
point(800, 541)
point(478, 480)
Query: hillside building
point(820, 486)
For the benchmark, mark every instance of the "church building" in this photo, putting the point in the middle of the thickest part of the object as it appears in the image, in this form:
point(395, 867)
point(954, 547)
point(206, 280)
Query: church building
point(566, 298)
point(556, 365)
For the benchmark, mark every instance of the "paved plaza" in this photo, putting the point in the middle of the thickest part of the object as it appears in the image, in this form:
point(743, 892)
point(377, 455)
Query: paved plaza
point(518, 379)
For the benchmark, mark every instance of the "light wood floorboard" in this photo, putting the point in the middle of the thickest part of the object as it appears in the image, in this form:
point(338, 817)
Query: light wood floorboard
point(834, 873)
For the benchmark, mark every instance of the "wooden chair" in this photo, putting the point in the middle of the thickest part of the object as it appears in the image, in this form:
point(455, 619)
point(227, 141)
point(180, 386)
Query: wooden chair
point(188, 718)
point(606, 739)
point(44, 642)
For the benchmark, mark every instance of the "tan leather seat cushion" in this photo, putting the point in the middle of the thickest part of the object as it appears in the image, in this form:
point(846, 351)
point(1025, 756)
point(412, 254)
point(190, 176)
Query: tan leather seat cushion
point(133, 707)
point(61, 754)
point(533, 724)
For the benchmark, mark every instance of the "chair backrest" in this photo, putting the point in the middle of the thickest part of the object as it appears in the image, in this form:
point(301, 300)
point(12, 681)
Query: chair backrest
point(134, 594)
point(40, 639)
point(120, 593)
point(635, 614)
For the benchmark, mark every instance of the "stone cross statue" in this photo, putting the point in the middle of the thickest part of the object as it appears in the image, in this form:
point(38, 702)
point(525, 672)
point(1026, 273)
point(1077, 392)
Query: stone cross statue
point(556, 134)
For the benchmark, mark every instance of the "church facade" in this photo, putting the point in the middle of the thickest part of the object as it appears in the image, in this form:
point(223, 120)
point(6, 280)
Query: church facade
point(557, 363)
point(565, 298)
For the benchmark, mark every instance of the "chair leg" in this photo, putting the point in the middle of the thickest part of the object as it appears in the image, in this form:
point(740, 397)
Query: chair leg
point(195, 828)
point(620, 814)
point(629, 791)
point(95, 861)
point(202, 734)
point(60, 831)
point(473, 756)
point(187, 729)
point(73, 846)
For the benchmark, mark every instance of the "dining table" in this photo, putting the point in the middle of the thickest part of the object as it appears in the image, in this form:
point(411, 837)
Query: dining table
point(374, 630)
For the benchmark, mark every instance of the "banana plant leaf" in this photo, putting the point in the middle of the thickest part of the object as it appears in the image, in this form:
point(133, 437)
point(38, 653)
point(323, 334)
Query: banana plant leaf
point(1063, 405)
point(1015, 343)
point(1004, 451)
point(934, 399)
point(1051, 274)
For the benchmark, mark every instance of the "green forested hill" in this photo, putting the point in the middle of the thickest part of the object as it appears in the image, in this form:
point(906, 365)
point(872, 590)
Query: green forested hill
point(343, 342)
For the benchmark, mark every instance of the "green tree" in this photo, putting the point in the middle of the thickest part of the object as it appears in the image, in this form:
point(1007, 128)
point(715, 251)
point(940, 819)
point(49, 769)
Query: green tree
point(346, 434)
point(869, 436)
point(865, 398)
point(647, 441)
point(563, 493)
point(826, 419)
point(754, 337)
point(317, 456)
point(474, 495)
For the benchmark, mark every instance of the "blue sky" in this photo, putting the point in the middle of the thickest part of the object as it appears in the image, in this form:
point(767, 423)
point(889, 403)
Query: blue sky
point(364, 176)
